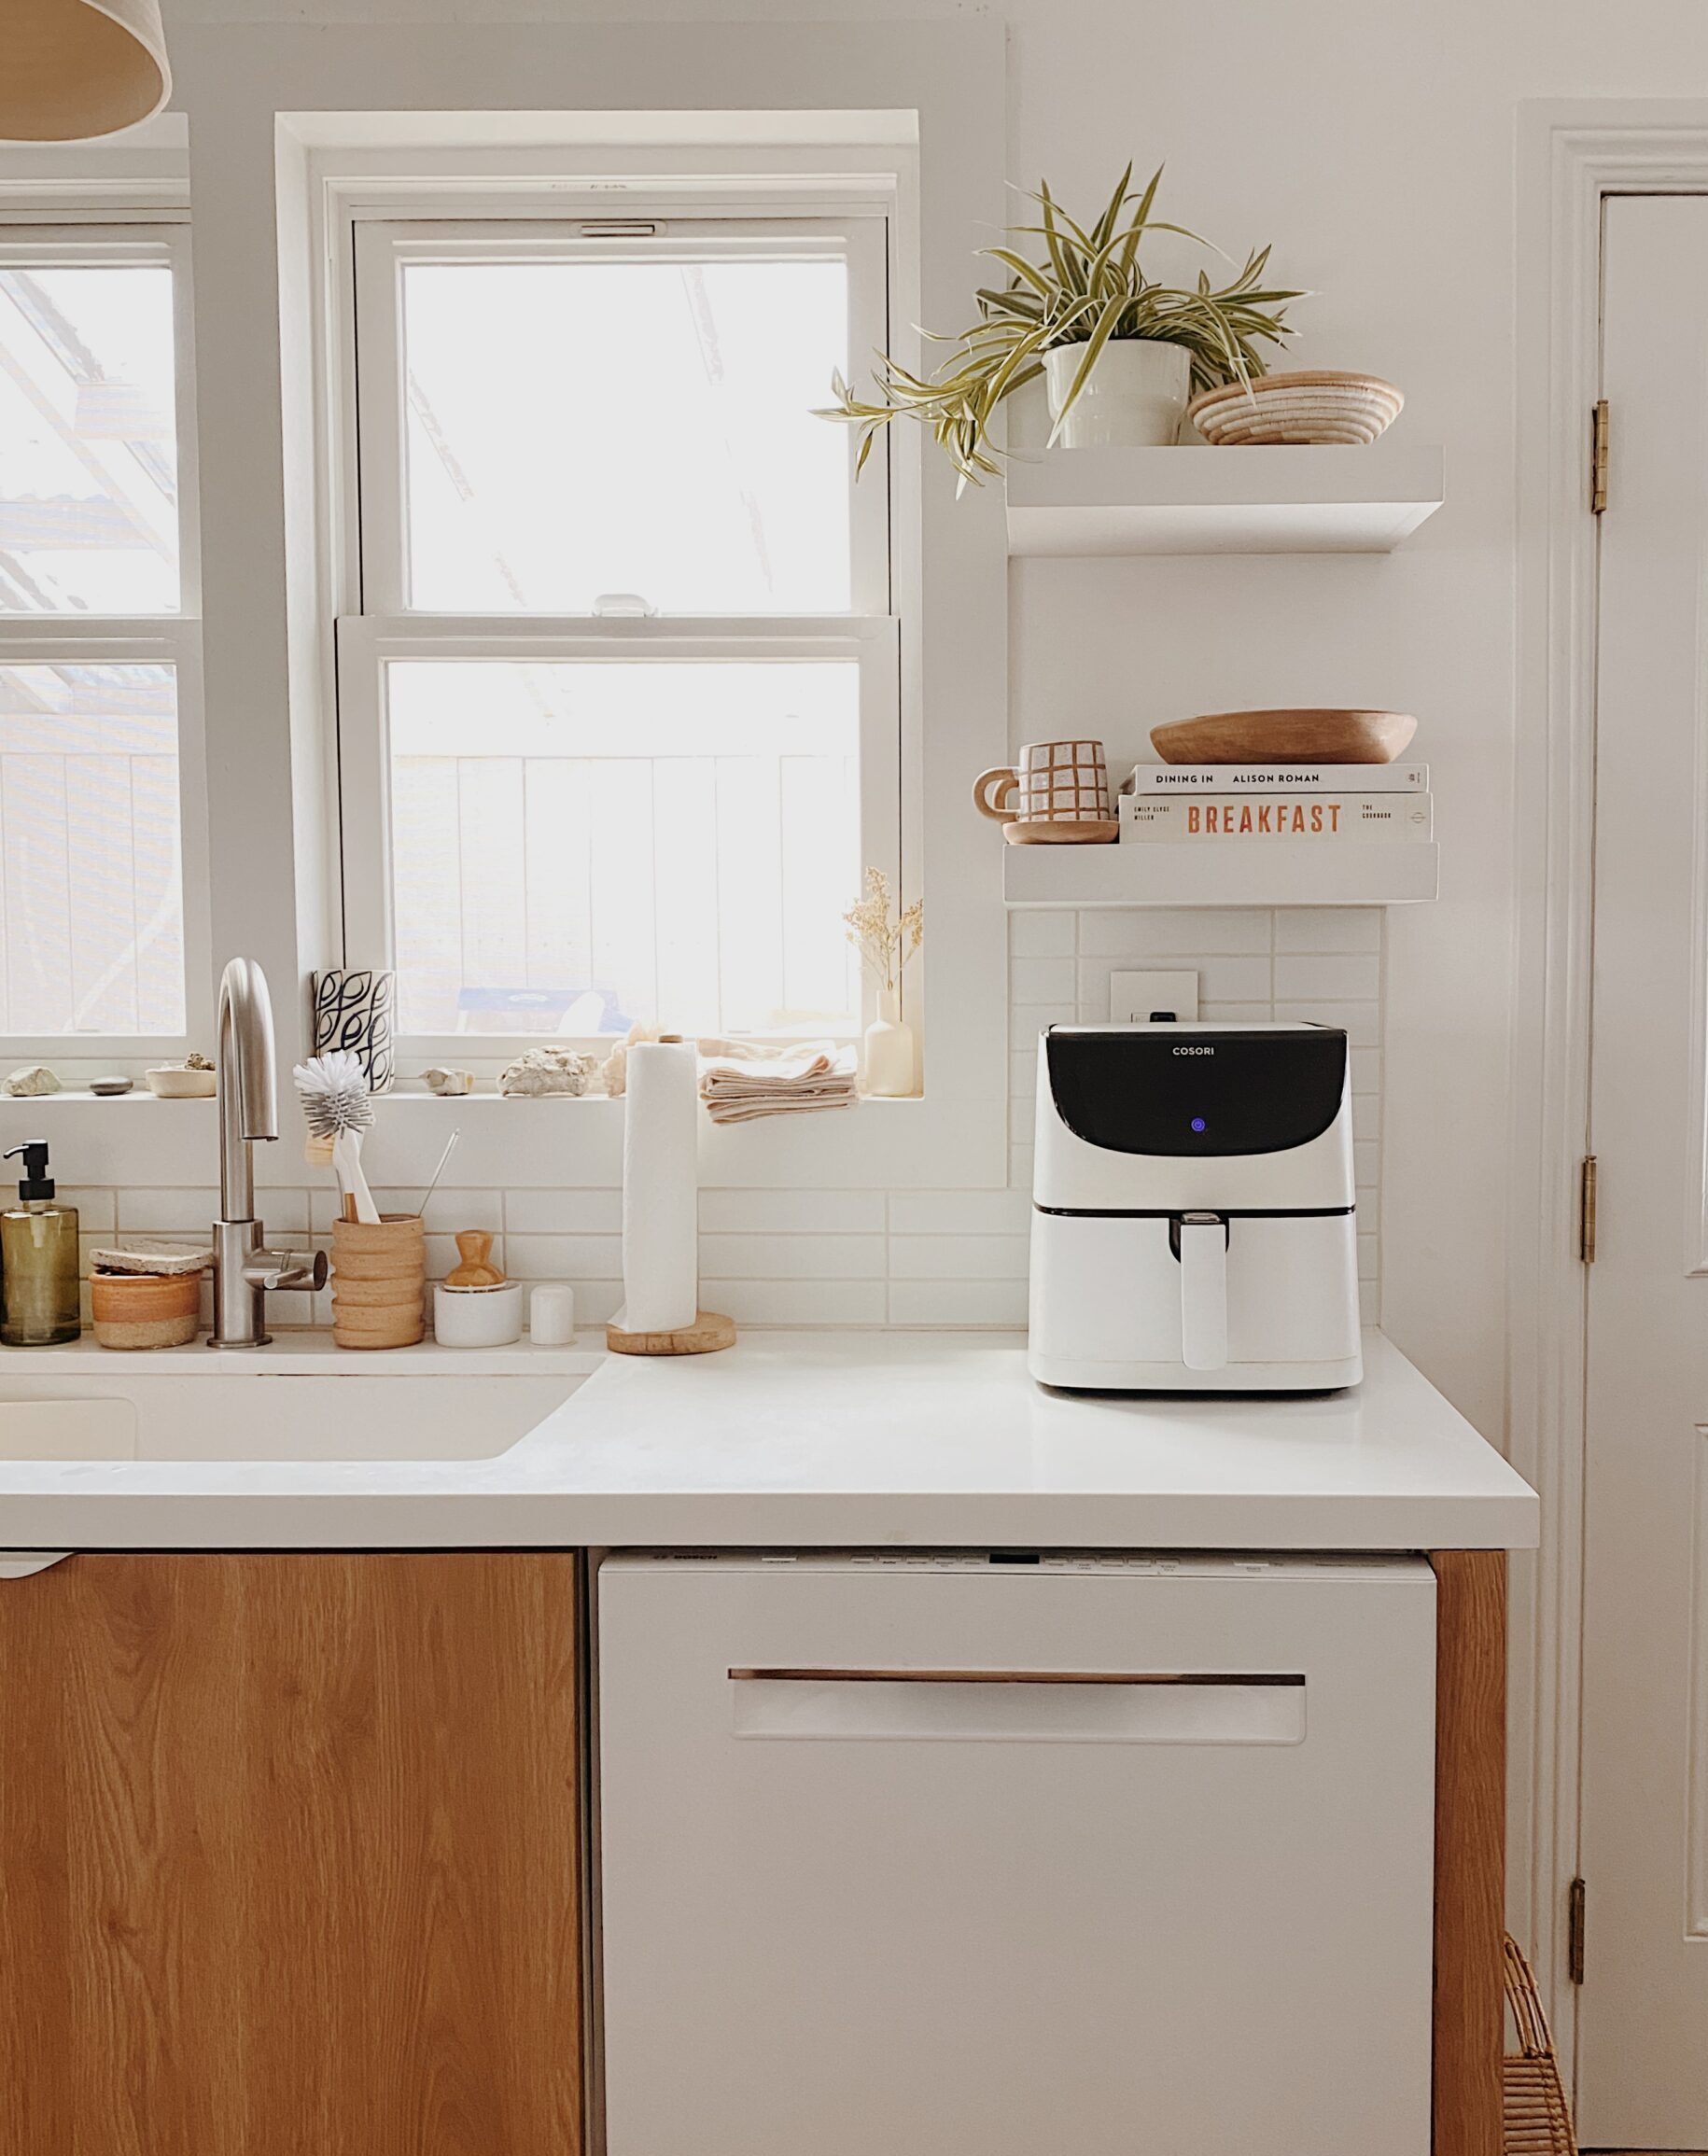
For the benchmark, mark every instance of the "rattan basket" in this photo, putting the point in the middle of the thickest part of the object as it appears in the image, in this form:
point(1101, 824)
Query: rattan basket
point(1535, 2119)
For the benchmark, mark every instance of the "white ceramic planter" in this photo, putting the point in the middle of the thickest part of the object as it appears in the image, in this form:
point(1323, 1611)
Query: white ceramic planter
point(1135, 397)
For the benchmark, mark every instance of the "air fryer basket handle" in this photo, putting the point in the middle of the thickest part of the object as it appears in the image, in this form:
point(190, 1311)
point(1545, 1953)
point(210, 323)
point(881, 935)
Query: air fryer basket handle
point(1203, 1291)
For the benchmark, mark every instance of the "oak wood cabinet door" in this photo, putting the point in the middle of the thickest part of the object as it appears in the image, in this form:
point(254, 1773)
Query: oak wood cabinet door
point(289, 1857)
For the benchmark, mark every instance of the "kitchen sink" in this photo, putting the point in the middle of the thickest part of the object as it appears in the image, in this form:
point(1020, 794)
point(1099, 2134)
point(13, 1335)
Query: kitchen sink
point(270, 1414)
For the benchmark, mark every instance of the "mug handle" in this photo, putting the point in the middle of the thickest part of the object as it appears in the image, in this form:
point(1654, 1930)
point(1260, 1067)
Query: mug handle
point(1005, 782)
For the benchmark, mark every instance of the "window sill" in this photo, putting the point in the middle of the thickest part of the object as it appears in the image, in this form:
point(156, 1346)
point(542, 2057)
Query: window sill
point(133, 1140)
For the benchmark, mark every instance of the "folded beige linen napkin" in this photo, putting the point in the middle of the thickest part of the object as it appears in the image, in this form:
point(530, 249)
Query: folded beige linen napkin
point(740, 1080)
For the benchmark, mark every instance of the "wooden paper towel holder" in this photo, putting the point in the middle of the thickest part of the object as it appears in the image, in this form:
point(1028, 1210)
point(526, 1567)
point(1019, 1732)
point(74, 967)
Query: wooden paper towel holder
point(705, 1337)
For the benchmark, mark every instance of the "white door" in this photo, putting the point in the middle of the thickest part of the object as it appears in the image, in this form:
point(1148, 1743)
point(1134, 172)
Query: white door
point(915, 1858)
point(1644, 2010)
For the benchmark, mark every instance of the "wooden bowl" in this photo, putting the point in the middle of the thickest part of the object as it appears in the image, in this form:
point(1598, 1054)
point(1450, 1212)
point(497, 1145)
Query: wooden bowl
point(1303, 737)
point(1319, 406)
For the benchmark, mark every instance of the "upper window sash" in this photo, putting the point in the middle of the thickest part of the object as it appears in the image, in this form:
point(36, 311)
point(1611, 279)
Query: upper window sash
point(140, 474)
point(386, 250)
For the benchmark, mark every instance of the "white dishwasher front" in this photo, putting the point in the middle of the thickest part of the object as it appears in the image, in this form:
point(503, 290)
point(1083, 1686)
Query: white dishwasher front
point(959, 1856)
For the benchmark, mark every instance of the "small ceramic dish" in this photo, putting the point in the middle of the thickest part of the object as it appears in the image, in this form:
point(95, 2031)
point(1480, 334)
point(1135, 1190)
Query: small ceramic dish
point(478, 1317)
point(174, 1082)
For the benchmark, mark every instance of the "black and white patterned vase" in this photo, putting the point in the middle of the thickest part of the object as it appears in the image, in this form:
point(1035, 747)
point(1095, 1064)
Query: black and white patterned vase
point(356, 1011)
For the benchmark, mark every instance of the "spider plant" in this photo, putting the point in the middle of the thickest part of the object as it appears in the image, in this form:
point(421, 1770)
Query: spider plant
point(1086, 288)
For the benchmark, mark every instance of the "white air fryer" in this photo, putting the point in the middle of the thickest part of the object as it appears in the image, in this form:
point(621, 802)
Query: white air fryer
point(1193, 1224)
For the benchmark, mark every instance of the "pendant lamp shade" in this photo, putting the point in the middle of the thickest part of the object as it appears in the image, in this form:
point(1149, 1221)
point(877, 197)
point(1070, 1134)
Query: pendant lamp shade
point(70, 69)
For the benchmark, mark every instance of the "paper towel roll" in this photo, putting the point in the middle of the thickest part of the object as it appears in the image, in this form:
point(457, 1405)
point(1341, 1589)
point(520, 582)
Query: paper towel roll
point(661, 1187)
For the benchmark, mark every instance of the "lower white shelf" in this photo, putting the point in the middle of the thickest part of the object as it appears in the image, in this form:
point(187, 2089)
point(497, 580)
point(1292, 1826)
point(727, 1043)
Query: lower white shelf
point(1280, 873)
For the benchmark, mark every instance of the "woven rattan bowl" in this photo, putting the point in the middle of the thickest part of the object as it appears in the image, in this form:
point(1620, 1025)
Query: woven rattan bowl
point(1298, 408)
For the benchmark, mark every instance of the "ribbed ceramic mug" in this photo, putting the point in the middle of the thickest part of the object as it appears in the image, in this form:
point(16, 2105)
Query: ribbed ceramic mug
point(1053, 782)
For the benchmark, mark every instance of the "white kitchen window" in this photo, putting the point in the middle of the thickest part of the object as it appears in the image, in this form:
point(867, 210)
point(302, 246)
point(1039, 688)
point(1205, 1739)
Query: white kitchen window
point(619, 703)
point(98, 628)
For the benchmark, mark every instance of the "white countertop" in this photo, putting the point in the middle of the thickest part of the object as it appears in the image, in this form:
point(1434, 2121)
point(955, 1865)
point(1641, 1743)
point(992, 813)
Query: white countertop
point(887, 1440)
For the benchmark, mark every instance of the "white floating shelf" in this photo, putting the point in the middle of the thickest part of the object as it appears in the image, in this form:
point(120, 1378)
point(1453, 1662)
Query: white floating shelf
point(1335, 500)
point(1240, 873)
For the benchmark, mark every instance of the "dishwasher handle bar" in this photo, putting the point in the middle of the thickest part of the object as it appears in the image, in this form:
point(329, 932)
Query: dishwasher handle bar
point(874, 1676)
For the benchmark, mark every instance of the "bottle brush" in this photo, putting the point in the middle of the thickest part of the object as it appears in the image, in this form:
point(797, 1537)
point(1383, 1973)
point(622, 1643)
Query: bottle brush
point(337, 1107)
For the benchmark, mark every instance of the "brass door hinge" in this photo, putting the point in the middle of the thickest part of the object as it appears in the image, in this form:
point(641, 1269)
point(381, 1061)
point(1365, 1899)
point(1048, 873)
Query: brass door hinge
point(1587, 1179)
point(1574, 1932)
point(1598, 458)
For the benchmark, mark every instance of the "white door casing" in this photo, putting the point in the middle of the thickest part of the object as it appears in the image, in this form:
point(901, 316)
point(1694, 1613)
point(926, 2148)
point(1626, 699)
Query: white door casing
point(1643, 2060)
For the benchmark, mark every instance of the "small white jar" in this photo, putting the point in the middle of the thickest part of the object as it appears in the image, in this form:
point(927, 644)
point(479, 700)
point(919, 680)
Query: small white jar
point(477, 1317)
point(552, 1316)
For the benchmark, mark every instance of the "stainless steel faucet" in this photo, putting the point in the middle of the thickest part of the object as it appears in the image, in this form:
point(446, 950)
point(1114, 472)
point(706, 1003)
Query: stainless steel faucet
point(248, 1104)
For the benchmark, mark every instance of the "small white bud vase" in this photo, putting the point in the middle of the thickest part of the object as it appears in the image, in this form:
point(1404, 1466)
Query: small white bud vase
point(890, 1065)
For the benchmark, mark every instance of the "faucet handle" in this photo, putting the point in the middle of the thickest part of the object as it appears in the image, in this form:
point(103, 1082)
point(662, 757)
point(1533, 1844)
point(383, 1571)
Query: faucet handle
point(277, 1268)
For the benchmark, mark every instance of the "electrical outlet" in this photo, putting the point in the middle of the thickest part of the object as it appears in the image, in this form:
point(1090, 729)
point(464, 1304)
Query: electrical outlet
point(1133, 996)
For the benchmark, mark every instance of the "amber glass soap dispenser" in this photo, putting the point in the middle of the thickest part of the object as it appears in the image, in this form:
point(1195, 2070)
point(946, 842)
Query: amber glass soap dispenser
point(39, 1298)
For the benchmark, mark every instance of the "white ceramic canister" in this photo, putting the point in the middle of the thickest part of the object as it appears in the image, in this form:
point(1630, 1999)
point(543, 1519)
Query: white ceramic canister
point(551, 1315)
point(1134, 397)
point(477, 1317)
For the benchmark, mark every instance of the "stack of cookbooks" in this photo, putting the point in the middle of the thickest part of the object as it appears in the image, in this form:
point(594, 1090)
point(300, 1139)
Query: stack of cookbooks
point(1185, 803)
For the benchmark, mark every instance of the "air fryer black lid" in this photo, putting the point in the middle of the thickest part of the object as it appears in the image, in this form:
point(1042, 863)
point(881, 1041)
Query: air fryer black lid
point(1196, 1093)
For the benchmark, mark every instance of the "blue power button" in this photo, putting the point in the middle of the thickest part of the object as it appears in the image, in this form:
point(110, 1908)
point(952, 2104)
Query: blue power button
point(1197, 1122)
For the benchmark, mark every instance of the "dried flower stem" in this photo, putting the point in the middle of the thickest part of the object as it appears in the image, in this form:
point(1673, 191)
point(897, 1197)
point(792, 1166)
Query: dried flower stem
point(885, 945)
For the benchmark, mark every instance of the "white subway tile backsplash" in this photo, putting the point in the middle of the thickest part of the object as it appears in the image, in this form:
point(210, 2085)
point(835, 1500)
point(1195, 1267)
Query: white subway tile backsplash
point(958, 1257)
point(1023, 1076)
point(801, 1302)
point(759, 1257)
point(1026, 1021)
point(792, 1211)
point(998, 1304)
point(448, 1211)
point(563, 1212)
point(1366, 1163)
point(1235, 1013)
point(96, 1207)
point(178, 1211)
point(1360, 1022)
point(1367, 1070)
point(1020, 1161)
point(563, 1257)
point(1041, 980)
point(1042, 934)
point(1328, 929)
point(959, 1212)
point(1186, 934)
point(1301, 975)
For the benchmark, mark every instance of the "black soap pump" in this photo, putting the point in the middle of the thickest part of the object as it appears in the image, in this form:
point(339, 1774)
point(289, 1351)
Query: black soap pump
point(39, 1283)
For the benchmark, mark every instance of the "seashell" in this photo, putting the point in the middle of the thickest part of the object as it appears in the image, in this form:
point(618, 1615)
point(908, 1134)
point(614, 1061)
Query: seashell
point(447, 1084)
point(197, 1063)
point(30, 1081)
point(542, 1072)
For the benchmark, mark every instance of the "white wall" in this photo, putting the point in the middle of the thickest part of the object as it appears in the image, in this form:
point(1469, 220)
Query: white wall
point(1375, 146)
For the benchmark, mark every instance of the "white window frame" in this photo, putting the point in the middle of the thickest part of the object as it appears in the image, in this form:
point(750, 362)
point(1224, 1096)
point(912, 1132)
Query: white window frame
point(72, 231)
point(376, 627)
